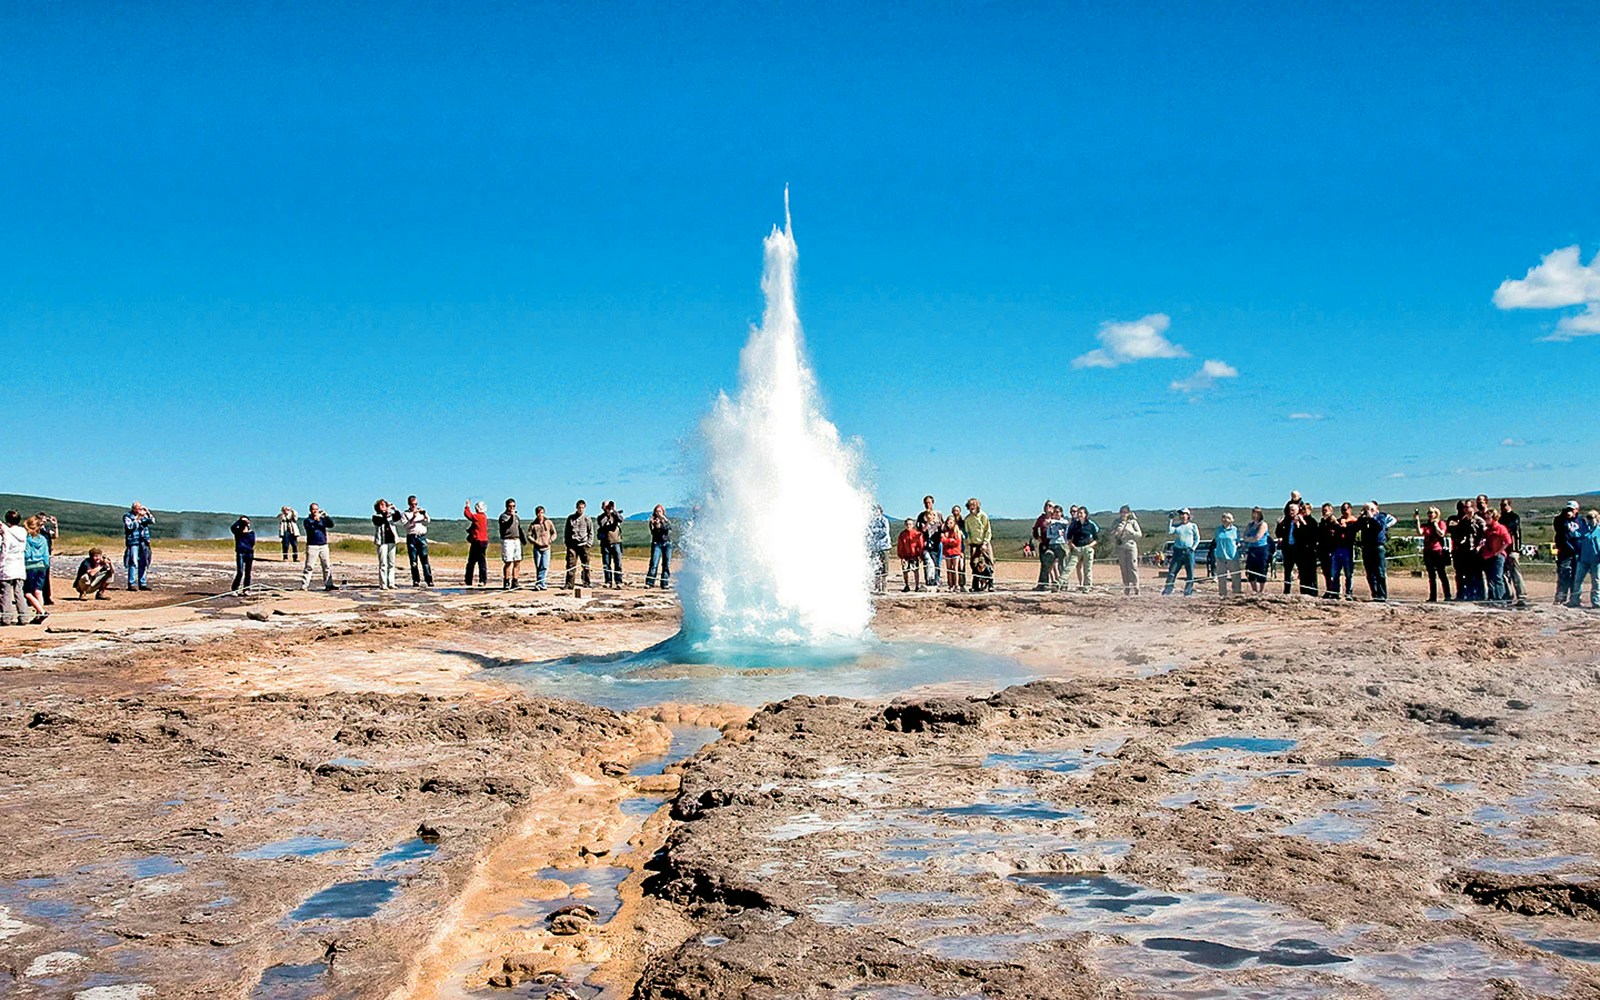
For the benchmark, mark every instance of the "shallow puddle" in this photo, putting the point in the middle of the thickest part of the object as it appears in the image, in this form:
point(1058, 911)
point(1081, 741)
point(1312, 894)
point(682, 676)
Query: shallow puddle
point(686, 741)
point(294, 847)
point(598, 887)
point(347, 900)
point(1242, 744)
point(1373, 762)
point(667, 673)
point(291, 982)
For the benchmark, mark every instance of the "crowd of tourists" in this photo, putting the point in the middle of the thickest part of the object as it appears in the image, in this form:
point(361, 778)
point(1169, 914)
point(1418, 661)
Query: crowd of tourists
point(1480, 547)
point(1474, 554)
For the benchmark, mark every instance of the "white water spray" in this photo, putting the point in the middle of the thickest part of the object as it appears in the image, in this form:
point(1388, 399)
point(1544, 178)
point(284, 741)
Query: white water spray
point(778, 544)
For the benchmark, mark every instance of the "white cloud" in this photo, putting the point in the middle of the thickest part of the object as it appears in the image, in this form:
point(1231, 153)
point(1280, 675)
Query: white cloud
point(1125, 343)
point(1512, 442)
point(1305, 416)
point(1559, 281)
point(1395, 475)
point(1206, 378)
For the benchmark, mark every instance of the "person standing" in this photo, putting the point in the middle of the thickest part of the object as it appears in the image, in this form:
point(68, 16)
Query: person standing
point(1496, 542)
point(909, 546)
point(477, 542)
point(931, 524)
point(878, 545)
point(317, 524)
point(1512, 522)
point(1257, 550)
point(510, 546)
point(980, 546)
point(1036, 541)
point(541, 533)
point(1081, 535)
point(1564, 550)
point(417, 521)
point(578, 536)
point(385, 521)
point(1584, 535)
point(1185, 540)
point(289, 532)
point(1297, 537)
point(1339, 535)
point(1372, 528)
point(13, 569)
point(94, 573)
point(955, 565)
point(244, 552)
point(1125, 535)
point(660, 549)
point(1055, 537)
point(136, 524)
point(1435, 538)
point(609, 527)
point(1225, 550)
point(50, 528)
point(35, 568)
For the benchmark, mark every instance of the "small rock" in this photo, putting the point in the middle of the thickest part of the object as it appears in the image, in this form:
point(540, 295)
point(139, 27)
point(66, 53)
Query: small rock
point(257, 616)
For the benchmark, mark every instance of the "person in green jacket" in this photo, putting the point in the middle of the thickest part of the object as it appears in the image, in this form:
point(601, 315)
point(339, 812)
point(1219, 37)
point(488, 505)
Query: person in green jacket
point(980, 546)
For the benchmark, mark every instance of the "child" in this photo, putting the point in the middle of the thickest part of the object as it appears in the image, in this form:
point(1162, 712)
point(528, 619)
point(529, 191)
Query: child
point(955, 572)
point(910, 545)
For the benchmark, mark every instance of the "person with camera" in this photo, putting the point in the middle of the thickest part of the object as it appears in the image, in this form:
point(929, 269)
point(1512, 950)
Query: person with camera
point(417, 520)
point(1435, 552)
point(136, 524)
point(1081, 535)
point(660, 549)
point(385, 520)
point(95, 573)
point(609, 525)
point(13, 569)
point(1564, 550)
point(541, 535)
point(50, 528)
point(244, 552)
point(477, 541)
point(317, 524)
point(1125, 535)
point(1583, 536)
point(1257, 542)
point(1185, 540)
point(1513, 525)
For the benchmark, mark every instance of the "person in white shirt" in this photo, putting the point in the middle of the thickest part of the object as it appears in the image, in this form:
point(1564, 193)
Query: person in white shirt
point(13, 569)
point(416, 519)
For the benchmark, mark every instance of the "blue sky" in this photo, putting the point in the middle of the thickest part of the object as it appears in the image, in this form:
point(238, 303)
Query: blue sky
point(282, 252)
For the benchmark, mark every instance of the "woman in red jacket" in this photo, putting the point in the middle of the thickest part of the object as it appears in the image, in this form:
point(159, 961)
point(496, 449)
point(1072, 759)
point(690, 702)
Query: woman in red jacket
point(1435, 553)
point(477, 541)
point(910, 545)
point(1496, 542)
point(955, 569)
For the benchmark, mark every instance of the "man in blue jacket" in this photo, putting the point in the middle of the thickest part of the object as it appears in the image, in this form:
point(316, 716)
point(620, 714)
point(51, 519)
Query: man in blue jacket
point(1584, 534)
point(136, 535)
point(317, 523)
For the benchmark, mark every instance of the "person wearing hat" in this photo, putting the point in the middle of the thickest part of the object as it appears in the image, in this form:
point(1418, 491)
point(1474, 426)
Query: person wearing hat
point(1566, 551)
point(1584, 532)
point(1185, 539)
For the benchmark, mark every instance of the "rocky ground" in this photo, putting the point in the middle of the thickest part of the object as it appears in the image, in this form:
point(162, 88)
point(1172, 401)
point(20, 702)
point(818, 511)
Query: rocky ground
point(353, 795)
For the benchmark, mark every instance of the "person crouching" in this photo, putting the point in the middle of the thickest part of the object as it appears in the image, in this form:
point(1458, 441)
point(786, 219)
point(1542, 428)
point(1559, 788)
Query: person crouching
point(94, 575)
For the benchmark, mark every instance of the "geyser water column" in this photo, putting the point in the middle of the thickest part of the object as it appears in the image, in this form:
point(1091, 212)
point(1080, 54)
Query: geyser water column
point(777, 548)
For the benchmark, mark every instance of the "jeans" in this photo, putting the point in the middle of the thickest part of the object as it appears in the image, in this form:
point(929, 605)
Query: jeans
point(1437, 567)
point(1080, 558)
point(417, 552)
point(1579, 571)
point(1257, 558)
point(242, 562)
point(1376, 562)
point(11, 602)
point(1181, 559)
point(1050, 568)
point(660, 560)
point(577, 554)
point(477, 555)
point(611, 563)
point(1495, 569)
point(880, 571)
point(317, 556)
point(291, 543)
point(1047, 566)
point(136, 560)
point(541, 565)
point(386, 566)
point(1341, 562)
point(932, 561)
point(1564, 572)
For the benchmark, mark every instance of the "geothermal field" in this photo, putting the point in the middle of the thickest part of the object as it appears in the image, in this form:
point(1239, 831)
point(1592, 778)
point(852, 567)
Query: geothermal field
point(769, 784)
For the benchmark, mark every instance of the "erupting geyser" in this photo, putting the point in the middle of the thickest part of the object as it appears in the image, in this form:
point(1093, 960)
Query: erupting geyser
point(778, 544)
